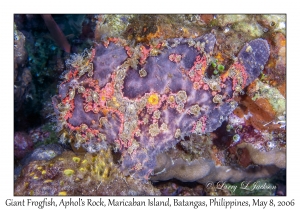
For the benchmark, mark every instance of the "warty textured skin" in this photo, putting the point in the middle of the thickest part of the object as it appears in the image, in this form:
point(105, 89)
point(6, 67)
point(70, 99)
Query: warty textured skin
point(144, 99)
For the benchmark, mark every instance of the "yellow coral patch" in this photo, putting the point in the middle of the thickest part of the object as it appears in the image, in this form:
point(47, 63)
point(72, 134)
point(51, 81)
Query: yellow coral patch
point(105, 173)
point(76, 159)
point(62, 193)
point(48, 181)
point(82, 169)
point(68, 172)
point(153, 99)
point(219, 57)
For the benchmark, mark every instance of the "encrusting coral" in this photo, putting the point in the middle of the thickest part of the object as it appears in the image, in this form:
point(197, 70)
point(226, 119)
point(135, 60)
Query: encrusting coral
point(78, 174)
point(205, 170)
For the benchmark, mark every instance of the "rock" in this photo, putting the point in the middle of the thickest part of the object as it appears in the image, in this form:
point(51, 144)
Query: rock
point(22, 144)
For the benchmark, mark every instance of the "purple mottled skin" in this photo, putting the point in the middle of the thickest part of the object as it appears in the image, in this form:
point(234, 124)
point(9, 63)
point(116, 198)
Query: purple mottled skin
point(156, 103)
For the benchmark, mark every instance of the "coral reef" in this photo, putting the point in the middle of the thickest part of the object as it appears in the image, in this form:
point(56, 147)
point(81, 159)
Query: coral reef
point(22, 75)
point(248, 155)
point(45, 152)
point(22, 86)
point(177, 188)
point(20, 53)
point(43, 62)
point(78, 174)
point(196, 98)
point(45, 134)
point(139, 97)
point(205, 170)
point(56, 33)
